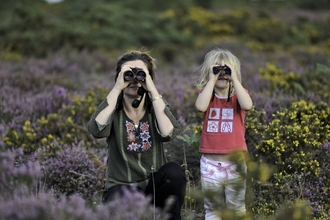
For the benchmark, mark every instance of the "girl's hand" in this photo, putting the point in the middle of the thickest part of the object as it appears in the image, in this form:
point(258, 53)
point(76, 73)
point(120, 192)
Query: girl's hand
point(233, 75)
point(213, 77)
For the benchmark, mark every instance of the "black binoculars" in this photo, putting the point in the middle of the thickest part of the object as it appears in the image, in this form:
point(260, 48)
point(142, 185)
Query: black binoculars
point(225, 69)
point(135, 73)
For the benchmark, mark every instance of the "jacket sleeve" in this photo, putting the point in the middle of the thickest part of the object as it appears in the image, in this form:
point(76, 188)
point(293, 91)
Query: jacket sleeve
point(97, 130)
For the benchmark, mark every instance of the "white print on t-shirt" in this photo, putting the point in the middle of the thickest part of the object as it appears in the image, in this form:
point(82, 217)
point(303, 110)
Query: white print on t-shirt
point(226, 126)
point(228, 113)
point(212, 126)
point(225, 119)
point(214, 113)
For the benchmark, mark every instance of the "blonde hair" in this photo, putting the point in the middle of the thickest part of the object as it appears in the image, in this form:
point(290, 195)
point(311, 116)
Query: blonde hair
point(218, 56)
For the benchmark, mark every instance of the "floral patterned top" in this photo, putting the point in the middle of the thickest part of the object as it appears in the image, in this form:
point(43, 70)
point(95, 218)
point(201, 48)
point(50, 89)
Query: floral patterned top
point(133, 152)
point(138, 138)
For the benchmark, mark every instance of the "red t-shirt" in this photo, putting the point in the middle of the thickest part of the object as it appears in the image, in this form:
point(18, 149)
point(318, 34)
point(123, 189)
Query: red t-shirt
point(223, 129)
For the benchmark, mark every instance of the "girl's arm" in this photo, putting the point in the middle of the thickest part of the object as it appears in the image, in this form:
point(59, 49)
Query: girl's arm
point(203, 99)
point(243, 97)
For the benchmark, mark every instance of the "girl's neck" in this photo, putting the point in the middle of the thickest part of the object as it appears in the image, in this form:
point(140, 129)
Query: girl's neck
point(221, 92)
point(224, 92)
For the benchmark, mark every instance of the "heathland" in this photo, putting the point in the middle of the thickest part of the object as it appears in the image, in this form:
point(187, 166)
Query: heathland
point(57, 63)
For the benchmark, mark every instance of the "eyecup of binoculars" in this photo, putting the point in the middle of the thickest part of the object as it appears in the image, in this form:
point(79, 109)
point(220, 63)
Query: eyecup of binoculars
point(222, 69)
point(135, 73)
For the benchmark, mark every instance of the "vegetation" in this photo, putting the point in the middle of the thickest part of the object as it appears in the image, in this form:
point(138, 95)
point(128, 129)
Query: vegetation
point(57, 63)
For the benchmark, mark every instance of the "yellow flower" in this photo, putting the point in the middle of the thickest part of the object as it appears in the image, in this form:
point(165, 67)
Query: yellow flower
point(296, 143)
point(44, 141)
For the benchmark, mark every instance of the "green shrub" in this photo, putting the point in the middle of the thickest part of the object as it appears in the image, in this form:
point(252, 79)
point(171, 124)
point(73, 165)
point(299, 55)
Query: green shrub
point(66, 126)
point(291, 143)
point(237, 19)
point(297, 84)
point(39, 29)
point(277, 79)
point(267, 30)
point(313, 78)
point(291, 140)
point(254, 129)
point(312, 5)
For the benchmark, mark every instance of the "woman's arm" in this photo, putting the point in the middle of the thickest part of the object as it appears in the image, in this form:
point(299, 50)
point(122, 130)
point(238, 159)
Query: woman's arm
point(103, 116)
point(165, 125)
point(99, 126)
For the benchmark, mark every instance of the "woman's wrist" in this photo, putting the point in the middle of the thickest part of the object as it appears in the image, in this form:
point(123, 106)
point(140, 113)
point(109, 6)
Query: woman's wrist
point(114, 92)
point(156, 98)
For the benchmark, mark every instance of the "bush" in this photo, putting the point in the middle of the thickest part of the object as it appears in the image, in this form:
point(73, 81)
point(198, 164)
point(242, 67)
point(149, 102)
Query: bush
point(277, 79)
point(23, 195)
point(291, 143)
point(40, 28)
point(267, 30)
point(73, 171)
point(316, 190)
point(132, 205)
point(312, 5)
point(18, 170)
point(45, 206)
point(64, 124)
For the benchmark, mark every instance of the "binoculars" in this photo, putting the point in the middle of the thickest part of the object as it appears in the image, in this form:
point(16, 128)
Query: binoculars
point(135, 73)
point(224, 69)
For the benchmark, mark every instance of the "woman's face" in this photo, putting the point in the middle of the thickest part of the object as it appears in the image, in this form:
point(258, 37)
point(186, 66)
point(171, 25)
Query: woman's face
point(132, 88)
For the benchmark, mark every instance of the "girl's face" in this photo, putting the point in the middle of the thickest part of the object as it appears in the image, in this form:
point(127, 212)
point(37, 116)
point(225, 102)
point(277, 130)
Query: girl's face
point(223, 80)
point(133, 87)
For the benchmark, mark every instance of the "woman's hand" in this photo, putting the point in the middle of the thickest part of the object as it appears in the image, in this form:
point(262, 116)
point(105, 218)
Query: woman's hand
point(121, 83)
point(148, 83)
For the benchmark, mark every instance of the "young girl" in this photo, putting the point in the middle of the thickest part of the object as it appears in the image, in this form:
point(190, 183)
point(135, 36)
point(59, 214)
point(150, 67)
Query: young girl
point(224, 102)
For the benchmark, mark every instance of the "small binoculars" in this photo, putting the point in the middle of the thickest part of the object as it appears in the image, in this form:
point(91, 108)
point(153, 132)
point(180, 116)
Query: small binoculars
point(135, 73)
point(224, 69)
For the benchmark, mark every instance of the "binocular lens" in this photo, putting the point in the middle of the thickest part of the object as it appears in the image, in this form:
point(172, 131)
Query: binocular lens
point(137, 73)
point(140, 75)
point(128, 75)
point(224, 69)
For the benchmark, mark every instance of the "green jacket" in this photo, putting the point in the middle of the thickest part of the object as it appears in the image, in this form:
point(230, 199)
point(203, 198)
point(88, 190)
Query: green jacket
point(132, 153)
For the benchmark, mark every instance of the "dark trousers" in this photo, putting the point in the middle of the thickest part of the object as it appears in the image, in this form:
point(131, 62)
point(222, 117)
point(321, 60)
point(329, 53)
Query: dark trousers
point(168, 181)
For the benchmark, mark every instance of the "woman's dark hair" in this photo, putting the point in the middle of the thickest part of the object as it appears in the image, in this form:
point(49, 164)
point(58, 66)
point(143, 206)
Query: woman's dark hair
point(137, 55)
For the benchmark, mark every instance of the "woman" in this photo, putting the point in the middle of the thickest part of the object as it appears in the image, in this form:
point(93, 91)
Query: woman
point(135, 120)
